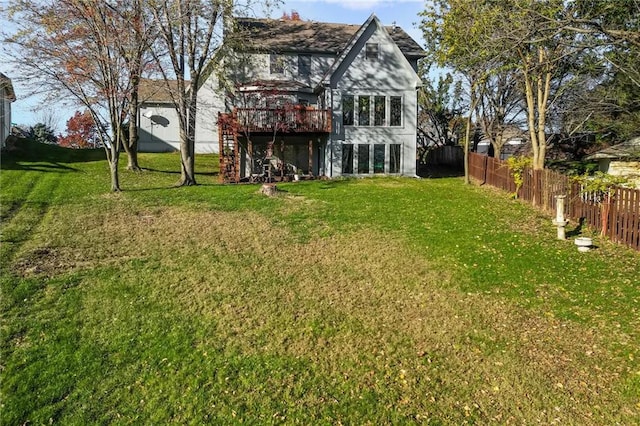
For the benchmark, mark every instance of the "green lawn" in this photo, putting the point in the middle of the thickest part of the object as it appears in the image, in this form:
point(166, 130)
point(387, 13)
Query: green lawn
point(372, 301)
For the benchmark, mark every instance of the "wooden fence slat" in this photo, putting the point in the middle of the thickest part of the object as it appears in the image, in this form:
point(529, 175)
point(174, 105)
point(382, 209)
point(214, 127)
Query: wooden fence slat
point(541, 187)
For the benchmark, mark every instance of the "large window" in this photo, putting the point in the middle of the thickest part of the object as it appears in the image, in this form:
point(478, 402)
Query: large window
point(396, 111)
point(364, 110)
point(347, 110)
point(368, 110)
point(378, 158)
point(304, 65)
point(347, 158)
point(363, 159)
point(394, 158)
point(276, 64)
point(379, 110)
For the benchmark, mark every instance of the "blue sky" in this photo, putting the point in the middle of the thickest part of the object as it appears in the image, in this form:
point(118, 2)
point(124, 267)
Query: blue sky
point(403, 12)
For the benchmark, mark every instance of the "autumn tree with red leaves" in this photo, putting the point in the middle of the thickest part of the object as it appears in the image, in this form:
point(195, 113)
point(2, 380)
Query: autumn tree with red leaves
point(81, 132)
point(293, 16)
point(92, 50)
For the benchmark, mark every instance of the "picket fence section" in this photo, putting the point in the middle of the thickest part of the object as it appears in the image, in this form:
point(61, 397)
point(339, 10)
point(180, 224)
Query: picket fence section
point(540, 187)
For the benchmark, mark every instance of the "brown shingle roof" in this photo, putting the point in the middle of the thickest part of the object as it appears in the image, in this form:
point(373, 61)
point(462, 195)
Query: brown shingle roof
point(273, 35)
point(151, 90)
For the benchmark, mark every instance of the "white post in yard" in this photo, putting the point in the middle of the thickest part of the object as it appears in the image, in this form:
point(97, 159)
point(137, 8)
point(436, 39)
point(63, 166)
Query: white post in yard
point(560, 221)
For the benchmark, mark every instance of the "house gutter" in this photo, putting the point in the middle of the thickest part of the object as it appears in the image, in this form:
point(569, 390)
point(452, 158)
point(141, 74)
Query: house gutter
point(331, 137)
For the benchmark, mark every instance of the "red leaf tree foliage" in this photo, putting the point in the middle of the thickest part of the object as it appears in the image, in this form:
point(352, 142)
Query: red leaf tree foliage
point(293, 16)
point(90, 52)
point(81, 132)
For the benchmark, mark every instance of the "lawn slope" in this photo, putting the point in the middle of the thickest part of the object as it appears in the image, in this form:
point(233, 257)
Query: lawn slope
point(372, 301)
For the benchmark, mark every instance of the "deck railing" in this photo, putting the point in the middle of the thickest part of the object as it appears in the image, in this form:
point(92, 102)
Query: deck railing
point(287, 120)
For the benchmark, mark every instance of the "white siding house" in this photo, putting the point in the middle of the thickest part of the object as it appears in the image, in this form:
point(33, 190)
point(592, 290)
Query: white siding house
point(7, 96)
point(316, 98)
point(158, 129)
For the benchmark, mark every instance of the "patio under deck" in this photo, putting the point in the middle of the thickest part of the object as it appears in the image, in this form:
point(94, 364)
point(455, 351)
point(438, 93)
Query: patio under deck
point(247, 122)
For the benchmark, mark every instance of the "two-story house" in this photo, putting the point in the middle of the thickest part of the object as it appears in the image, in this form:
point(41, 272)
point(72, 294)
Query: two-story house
point(309, 98)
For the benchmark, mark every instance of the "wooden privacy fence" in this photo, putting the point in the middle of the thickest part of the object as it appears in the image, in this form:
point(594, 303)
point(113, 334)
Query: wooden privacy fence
point(541, 186)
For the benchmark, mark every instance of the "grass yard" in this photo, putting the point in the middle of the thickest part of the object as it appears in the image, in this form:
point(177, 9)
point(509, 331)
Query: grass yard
point(375, 301)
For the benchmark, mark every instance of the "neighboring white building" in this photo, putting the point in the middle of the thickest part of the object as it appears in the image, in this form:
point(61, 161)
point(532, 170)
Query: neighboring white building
point(316, 98)
point(7, 96)
point(158, 129)
point(622, 159)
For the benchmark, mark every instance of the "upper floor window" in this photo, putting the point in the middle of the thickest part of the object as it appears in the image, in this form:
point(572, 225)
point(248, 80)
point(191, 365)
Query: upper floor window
point(364, 110)
point(347, 110)
point(396, 111)
point(276, 64)
point(372, 50)
point(304, 65)
point(368, 110)
point(379, 110)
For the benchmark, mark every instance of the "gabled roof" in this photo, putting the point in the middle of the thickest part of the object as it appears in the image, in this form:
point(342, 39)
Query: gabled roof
point(339, 62)
point(626, 150)
point(6, 86)
point(274, 35)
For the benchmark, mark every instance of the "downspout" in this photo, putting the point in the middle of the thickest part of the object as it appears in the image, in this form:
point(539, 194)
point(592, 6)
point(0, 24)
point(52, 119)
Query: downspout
point(331, 136)
point(418, 86)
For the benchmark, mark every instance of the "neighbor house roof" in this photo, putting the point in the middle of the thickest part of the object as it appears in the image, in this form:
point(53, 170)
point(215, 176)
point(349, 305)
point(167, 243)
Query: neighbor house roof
point(7, 87)
point(275, 35)
point(626, 150)
point(151, 90)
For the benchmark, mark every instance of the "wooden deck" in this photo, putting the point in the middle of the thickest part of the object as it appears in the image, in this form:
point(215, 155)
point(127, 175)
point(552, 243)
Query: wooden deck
point(283, 120)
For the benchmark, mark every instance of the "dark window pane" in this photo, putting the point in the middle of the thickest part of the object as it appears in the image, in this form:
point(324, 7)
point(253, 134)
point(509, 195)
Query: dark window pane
point(372, 50)
point(396, 111)
point(378, 158)
point(276, 64)
point(347, 159)
point(304, 65)
point(394, 158)
point(363, 159)
point(379, 114)
point(347, 110)
point(364, 110)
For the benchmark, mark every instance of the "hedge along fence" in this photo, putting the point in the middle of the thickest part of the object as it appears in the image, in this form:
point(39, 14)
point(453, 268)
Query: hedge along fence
point(541, 186)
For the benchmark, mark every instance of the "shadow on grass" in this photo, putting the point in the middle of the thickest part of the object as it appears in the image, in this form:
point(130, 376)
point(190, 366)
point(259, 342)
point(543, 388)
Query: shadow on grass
point(177, 172)
point(437, 172)
point(45, 157)
point(577, 230)
point(44, 167)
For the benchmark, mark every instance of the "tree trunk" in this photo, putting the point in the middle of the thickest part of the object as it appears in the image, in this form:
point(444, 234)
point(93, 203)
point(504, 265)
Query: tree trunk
point(132, 158)
point(497, 150)
point(188, 138)
point(187, 163)
point(466, 150)
point(113, 167)
point(131, 145)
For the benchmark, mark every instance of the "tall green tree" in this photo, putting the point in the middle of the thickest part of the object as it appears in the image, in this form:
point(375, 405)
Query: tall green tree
point(486, 37)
